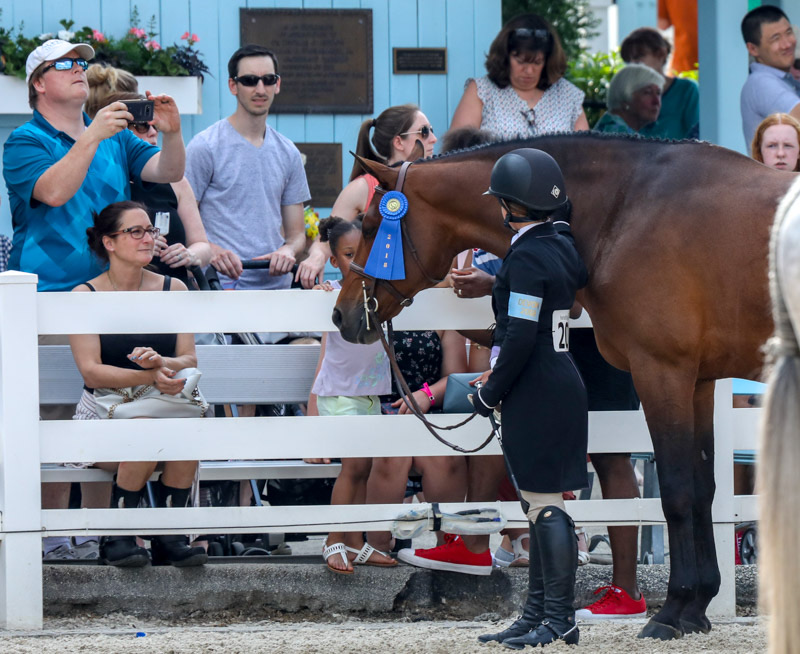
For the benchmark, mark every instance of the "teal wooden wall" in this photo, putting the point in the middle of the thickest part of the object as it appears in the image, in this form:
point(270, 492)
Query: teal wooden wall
point(464, 27)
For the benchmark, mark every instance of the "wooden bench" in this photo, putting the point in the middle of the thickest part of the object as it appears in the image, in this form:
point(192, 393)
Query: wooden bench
point(240, 374)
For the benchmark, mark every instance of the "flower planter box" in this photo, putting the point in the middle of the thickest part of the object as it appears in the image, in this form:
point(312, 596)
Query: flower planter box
point(187, 91)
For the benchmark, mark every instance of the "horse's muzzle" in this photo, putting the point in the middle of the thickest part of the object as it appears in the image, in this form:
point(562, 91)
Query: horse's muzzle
point(352, 326)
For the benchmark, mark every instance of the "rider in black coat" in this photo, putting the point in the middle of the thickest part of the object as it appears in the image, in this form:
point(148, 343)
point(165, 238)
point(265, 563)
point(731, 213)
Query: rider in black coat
point(544, 407)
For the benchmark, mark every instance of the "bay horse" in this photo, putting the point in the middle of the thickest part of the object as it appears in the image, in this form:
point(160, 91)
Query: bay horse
point(675, 237)
point(779, 448)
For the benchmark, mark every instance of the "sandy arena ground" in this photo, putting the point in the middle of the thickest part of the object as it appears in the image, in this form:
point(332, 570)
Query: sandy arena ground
point(117, 634)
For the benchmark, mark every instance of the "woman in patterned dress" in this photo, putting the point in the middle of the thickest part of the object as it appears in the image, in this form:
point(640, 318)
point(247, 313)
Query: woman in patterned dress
point(524, 92)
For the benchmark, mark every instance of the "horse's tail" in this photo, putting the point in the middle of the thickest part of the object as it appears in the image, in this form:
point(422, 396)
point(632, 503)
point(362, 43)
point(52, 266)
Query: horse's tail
point(779, 456)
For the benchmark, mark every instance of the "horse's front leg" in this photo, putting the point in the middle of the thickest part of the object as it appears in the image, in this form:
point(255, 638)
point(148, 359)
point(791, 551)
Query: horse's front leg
point(667, 399)
point(694, 618)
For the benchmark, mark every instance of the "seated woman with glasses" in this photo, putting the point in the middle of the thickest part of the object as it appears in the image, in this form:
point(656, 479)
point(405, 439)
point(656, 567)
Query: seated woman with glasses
point(182, 242)
point(524, 92)
point(123, 237)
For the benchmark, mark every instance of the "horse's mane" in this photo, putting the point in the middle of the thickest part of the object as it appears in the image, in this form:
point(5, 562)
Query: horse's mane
point(505, 144)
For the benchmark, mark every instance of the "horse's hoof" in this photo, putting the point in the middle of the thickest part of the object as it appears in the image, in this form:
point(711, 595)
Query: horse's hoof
point(660, 631)
point(699, 625)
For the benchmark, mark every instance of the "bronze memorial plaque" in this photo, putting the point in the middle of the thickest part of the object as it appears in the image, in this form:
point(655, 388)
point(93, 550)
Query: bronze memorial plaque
point(324, 57)
point(323, 170)
point(416, 61)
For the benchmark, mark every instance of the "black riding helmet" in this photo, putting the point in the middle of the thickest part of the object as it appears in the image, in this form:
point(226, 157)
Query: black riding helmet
point(530, 178)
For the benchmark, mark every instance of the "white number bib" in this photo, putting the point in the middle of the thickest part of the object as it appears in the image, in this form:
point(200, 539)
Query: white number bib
point(561, 330)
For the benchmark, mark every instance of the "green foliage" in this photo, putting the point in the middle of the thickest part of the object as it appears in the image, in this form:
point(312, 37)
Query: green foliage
point(592, 74)
point(572, 19)
point(137, 51)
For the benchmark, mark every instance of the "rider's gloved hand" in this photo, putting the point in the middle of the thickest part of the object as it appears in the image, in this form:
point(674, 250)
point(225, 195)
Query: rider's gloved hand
point(481, 407)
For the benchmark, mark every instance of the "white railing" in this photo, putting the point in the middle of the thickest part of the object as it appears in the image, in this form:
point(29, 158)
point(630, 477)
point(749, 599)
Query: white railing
point(26, 443)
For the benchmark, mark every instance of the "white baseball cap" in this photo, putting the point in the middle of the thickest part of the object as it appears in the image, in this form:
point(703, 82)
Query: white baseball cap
point(52, 50)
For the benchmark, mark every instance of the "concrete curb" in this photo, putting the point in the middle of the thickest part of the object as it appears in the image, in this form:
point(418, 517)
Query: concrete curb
point(268, 589)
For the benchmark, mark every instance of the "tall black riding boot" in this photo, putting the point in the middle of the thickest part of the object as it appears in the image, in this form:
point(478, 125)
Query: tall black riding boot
point(174, 549)
point(122, 551)
point(533, 611)
point(558, 552)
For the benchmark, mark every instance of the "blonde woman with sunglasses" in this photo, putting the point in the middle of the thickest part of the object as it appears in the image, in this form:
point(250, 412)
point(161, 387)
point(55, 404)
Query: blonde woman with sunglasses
point(182, 241)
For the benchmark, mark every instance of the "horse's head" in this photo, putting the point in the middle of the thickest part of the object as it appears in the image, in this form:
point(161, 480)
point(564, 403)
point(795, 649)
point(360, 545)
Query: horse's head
point(427, 252)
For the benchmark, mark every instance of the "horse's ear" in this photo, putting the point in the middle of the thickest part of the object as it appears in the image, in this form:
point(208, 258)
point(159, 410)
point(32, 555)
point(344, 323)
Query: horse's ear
point(385, 175)
point(418, 152)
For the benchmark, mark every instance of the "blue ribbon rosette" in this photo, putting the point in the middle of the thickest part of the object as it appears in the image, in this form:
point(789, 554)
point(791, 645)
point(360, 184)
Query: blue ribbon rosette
point(385, 260)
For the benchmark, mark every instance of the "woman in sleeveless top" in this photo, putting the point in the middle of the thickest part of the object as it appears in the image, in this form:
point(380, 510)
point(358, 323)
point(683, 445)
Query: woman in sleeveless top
point(524, 93)
point(123, 237)
point(183, 242)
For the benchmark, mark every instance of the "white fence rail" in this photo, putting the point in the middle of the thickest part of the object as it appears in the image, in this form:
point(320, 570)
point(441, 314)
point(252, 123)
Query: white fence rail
point(26, 443)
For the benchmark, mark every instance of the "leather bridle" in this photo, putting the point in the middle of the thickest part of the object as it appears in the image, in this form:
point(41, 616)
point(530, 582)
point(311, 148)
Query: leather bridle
point(405, 301)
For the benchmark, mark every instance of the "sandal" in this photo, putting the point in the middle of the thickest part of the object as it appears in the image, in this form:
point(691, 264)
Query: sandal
point(337, 548)
point(363, 556)
point(520, 553)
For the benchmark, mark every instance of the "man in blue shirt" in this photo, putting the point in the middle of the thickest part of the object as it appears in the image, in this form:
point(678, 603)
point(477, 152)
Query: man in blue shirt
point(769, 88)
point(60, 166)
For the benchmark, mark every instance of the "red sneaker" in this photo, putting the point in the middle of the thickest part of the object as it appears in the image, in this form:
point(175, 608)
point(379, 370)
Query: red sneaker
point(616, 603)
point(453, 556)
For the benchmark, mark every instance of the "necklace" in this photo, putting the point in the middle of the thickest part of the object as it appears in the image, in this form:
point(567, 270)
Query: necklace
point(114, 286)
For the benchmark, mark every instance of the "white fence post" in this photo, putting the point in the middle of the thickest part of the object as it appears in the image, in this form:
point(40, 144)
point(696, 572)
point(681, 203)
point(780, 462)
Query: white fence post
point(724, 604)
point(20, 492)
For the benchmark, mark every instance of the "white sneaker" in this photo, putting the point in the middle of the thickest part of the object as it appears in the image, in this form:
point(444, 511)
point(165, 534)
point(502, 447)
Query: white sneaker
point(60, 553)
point(87, 551)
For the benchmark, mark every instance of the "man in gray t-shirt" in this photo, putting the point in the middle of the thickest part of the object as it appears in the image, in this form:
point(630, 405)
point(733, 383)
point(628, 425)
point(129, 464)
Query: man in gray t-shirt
point(249, 180)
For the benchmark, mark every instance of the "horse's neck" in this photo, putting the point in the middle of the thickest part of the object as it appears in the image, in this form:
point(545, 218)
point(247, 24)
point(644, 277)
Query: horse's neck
point(469, 222)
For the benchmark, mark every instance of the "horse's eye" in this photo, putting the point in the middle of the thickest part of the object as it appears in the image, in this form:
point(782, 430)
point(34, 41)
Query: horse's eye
point(368, 230)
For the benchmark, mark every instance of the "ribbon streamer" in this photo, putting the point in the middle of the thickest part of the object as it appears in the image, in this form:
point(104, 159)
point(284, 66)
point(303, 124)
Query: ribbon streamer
point(385, 260)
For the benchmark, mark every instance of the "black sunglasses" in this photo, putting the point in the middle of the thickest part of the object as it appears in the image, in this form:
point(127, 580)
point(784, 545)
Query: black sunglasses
point(525, 33)
point(425, 131)
point(141, 128)
point(66, 63)
point(138, 232)
point(253, 80)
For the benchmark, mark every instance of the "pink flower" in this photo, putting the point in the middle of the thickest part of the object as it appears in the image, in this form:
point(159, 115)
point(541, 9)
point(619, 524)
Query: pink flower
point(185, 36)
point(195, 38)
point(138, 32)
point(98, 36)
point(152, 45)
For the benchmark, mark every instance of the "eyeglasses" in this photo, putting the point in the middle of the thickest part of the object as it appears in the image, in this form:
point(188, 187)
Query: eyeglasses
point(253, 80)
point(141, 128)
point(530, 115)
point(425, 131)
point(137, 232)
point(526, 33)
point(66, 63)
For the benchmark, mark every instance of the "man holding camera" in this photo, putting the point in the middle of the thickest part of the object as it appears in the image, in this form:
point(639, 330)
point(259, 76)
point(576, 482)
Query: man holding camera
point(249, 180)
point(59, 167)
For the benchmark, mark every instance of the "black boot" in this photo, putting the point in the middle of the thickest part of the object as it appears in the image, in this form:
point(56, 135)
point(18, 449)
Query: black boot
point(122, 551)
point(558, 552)
point(533, 611)
point(174, 549)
